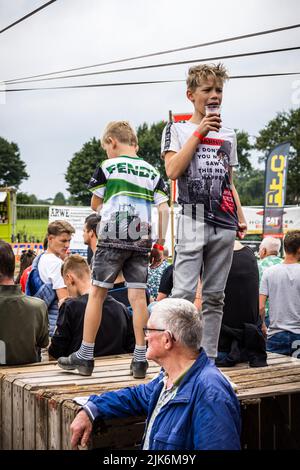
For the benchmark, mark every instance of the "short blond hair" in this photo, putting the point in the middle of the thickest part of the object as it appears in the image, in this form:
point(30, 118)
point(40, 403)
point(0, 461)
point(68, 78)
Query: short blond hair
point(200, 73)
point(60, 226)
point(77, 264)
point(121, 131)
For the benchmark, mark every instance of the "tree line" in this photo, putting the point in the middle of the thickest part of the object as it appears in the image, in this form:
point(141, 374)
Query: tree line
point(249, 179)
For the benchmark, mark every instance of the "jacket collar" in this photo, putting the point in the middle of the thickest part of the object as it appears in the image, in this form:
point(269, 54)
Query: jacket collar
point(186, 386)
point(11, 291)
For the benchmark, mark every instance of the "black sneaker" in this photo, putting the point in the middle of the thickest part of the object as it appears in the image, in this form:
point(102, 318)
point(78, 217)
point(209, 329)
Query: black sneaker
point(138, 369)
point(84, 366)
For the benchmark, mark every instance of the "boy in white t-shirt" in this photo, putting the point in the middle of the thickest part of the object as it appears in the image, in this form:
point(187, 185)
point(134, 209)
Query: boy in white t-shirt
point(200, 155)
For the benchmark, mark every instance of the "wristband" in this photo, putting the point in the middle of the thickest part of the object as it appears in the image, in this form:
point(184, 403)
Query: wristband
point(200, 136)
point(158, 247)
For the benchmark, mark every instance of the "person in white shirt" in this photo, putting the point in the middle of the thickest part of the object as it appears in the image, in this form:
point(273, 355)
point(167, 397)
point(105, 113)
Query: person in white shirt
point(45, 280)
point(280, 284)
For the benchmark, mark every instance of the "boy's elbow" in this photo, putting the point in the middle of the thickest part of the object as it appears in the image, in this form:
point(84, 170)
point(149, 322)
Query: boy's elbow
point(170, 170)
point(171, 173)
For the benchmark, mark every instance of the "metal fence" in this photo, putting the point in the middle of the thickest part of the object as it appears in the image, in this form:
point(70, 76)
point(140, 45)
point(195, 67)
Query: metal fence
point(32, 211)
point(32, 221)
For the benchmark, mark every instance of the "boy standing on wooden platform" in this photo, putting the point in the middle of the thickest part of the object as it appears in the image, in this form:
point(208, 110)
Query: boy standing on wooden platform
point(124, 189)
point(200, 154)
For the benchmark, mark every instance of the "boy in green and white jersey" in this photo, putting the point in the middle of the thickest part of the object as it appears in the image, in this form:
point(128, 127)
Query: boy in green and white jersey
point(124, 187)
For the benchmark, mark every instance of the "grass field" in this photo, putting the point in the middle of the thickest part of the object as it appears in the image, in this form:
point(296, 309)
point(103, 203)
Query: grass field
point(36, 228)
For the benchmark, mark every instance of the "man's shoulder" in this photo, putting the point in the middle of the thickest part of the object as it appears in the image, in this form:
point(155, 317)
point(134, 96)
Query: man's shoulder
point(274, 268)
point(33, 303)
point(270, 261)
point(213, 383)
point(76, 304)
point(113, 306)
point(50, 259)
point(271, 272)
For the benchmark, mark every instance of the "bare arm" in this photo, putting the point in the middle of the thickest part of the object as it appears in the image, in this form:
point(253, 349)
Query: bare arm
point(163, 220)
point(96, 203)
point(198, 297)
point(61, 294)
point(177, 163)
point(262, 312)
point(262, 306)
point(242, 221)
point(160, 296)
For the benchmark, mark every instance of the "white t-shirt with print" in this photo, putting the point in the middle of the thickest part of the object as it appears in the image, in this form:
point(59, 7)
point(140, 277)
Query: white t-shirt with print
point(206, 179)
point(50, 270)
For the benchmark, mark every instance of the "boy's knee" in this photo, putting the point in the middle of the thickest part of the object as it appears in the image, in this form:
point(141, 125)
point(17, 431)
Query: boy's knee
point(213, 299)
point(136, 295)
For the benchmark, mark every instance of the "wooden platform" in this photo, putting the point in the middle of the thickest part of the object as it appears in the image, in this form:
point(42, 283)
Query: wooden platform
point(37, 407)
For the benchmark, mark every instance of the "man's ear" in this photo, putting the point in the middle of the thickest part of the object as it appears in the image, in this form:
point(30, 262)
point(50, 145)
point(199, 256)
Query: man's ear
point(168, 343)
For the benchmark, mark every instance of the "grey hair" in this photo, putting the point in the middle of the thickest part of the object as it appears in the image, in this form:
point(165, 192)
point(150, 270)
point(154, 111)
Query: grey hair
point(271, 244)
point(181, 318)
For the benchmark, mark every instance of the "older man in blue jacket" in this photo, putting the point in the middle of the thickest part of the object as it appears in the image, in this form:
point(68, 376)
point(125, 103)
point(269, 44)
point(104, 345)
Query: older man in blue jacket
point(189, 406)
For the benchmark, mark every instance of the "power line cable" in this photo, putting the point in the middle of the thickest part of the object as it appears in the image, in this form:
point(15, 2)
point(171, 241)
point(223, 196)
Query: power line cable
point(169, 64)
point(169, 51)
point(27, 16)
point(97, 85)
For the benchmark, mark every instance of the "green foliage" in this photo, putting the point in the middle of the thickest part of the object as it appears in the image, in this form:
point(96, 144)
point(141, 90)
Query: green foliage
point(59, 200)
point(250, 187)
point(243, 151)
point(248, 181)
point(284, 127)
point(80, 170)
point(24, 198)
point(12, 168)
point(150, 145)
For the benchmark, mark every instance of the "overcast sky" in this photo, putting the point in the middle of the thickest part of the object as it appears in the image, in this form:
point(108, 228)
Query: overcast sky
point(49, 126)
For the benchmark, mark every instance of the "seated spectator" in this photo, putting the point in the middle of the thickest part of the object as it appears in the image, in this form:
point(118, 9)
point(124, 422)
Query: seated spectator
point(120, 292)
point(269, 256)
point(166, 283)
point(190, 405)
point(45, 280)
point(241, 338)
point(23, 319)
point(280, 284)
point(26, 260)
point(155, 272)
point(115, 335)
point(90, 237)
